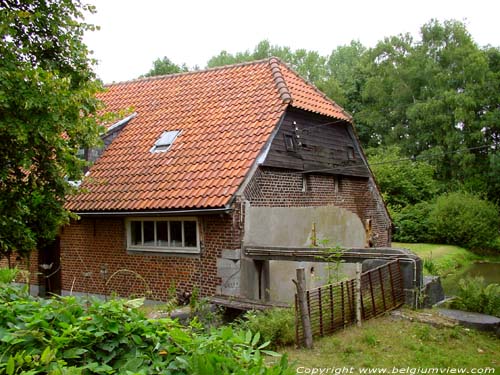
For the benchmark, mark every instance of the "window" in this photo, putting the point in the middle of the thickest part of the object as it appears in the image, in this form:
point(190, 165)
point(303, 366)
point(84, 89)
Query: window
point(351, 154)
point(176, 235)
point(305, 183)
point(166, 140)
point(290, 143)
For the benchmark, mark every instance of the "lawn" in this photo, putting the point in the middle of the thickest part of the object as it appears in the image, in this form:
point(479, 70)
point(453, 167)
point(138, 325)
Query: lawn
point(388, 343)
point(445, 258)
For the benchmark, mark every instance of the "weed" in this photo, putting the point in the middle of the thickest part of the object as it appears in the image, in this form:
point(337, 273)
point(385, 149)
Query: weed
point(474, 295)
point(275, 325)
point(333, 257)
point(370, 339)
point(63, 336)
point(8, 275)
point(430, 265)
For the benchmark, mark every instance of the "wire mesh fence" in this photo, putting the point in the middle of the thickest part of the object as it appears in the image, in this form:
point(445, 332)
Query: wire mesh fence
point(332, 307)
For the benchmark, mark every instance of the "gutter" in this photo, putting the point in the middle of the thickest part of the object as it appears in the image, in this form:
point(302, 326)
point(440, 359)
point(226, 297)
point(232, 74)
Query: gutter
point(207, 211)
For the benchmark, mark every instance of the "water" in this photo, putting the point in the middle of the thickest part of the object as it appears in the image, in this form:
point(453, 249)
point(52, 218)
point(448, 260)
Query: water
point(489, 271)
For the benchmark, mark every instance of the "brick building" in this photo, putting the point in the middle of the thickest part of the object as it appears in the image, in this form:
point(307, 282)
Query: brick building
point(210, 165)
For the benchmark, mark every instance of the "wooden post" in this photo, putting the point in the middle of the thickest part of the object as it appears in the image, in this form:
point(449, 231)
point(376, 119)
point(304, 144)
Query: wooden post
point(304, 313)
point(357, 294)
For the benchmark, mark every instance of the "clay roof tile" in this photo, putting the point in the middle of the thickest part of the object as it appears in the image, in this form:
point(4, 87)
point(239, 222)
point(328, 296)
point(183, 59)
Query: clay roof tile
point(225, 116)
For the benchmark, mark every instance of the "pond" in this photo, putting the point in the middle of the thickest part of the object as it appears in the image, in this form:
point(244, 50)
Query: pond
point(489, 271)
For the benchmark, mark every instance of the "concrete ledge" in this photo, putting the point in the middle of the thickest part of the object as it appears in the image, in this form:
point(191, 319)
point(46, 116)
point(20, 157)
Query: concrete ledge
point(480, 322)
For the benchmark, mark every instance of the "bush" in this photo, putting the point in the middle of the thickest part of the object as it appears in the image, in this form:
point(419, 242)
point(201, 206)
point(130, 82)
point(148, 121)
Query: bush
point(275, 325)
point(8, 275)
point(475, 296)
point(67, 336)
point(412, 223)
point(466, 220)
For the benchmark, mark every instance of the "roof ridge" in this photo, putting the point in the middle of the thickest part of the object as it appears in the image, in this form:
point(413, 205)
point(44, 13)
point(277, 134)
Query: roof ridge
point(172, 75)
point(279, 80)
point(313, 86)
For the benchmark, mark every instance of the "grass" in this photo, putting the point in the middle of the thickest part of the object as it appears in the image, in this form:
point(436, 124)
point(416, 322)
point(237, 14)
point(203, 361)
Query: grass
point(389, 343)
point(445, 258)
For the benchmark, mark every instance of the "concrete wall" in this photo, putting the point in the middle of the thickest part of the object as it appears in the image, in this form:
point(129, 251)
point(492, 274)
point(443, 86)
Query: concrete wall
point(293, 226)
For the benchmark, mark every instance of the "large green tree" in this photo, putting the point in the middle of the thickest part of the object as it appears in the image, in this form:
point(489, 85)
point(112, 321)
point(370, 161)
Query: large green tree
point(438, 98)
point(48, 111)
point(165, 66)
point(403, 181)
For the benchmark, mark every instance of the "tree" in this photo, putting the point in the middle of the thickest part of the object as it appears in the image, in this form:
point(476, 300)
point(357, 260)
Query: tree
point(403, 182)
point(48, 111)
point(344, 75)
point(437, 97)
point(310, 65)
point(165, 66)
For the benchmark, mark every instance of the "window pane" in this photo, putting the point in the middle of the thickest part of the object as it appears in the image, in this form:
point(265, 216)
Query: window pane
point(162, 233)
point(149, 233)
point(176, 233)
point(136, 233)
point(190, 234)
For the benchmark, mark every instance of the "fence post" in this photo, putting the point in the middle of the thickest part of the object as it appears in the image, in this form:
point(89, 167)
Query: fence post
point(357, 293)
point(300, 283)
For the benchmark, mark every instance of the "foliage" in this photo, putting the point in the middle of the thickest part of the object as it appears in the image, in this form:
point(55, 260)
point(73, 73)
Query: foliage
point(309, 64)
point(412, 223)
point(7, 275)
point(436, 98)
point(333, 257)
point(433, 98)
point(165, 66)
point(456, 219)
point(47, 113)
point(66, 336)
point(402, 181)
point(276, 325)
point(475, 296)
point(466, 220)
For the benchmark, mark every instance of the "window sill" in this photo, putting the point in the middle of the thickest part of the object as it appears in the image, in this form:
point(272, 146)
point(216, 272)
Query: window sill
point(164, 253)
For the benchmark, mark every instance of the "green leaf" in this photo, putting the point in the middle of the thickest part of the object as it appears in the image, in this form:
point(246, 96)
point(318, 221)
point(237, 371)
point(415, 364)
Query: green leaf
point(264, 345)
point(47, 355)
point(74, 352)
point(135, 303)
point(137, 339)
point(9, 370)
point(133, 364)
point(256, 339)
point(271, 353)
point(248, 337)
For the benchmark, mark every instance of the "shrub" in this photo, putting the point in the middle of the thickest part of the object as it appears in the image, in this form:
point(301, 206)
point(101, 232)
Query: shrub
point(8, 275)
point(466, 220)
point(275, 325)
point(65, 335)
point(412, 223)
point(475, 296)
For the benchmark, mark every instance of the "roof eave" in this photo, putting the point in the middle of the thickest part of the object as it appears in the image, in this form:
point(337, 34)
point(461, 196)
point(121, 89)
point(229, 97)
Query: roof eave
point(167, 212)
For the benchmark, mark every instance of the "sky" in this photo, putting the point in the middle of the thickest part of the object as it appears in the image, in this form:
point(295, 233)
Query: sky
point(134, 33)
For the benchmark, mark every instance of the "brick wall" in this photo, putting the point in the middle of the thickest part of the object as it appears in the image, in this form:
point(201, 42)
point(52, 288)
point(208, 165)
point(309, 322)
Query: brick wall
point(91, 244)
point(25, 264)
point(284, 188)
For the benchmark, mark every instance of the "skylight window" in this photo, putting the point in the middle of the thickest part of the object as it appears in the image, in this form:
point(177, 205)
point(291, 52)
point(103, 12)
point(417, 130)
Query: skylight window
point(166, 140)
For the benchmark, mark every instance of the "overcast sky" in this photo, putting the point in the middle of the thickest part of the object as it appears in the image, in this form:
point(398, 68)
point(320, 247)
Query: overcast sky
point(136, 32)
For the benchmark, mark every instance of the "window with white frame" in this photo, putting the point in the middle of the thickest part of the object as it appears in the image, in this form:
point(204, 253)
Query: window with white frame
point(177, 235)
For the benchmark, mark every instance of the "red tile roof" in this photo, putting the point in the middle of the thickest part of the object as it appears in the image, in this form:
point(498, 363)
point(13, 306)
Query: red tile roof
point(225, 116)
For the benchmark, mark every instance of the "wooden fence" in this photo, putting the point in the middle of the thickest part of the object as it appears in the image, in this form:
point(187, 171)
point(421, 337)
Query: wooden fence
point(332, 307)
